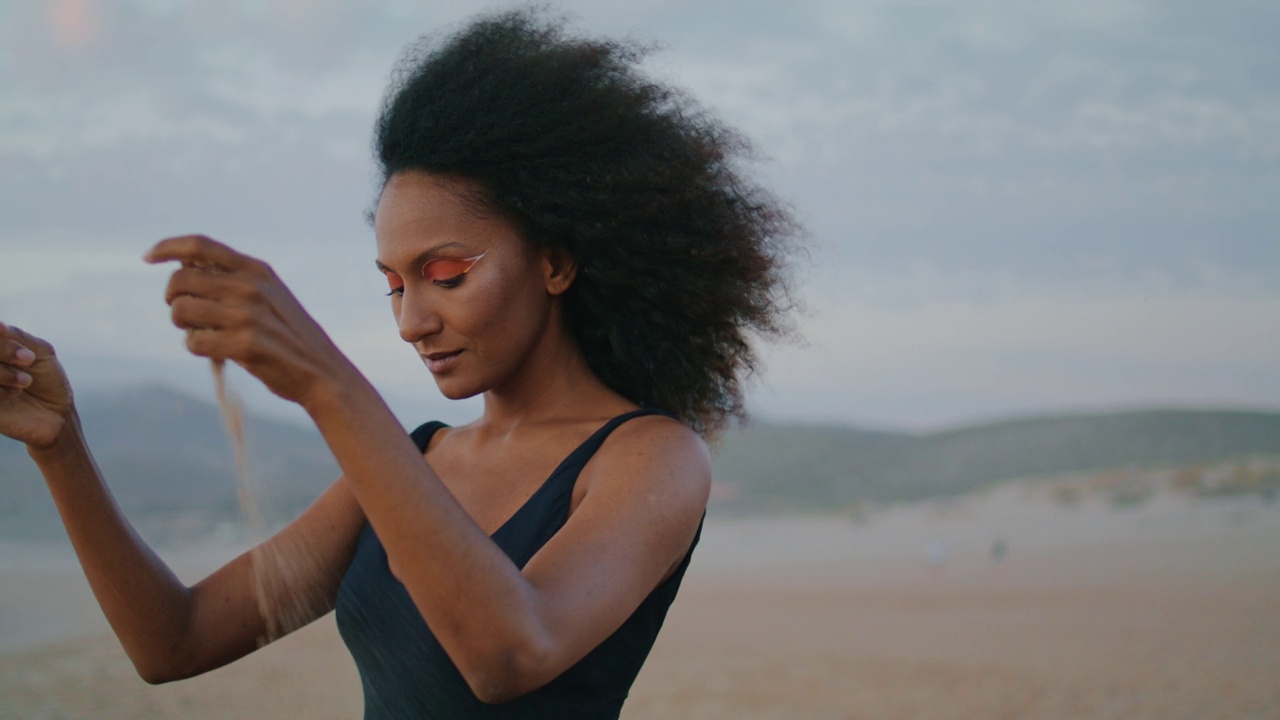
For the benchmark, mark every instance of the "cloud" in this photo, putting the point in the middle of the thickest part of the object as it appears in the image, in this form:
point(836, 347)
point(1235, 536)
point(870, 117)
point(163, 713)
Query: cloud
point(966, 170)
point(75, 24)
point(882, 357)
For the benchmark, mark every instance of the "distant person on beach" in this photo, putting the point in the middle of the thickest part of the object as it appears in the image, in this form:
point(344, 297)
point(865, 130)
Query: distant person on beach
point(559, 235)
point(999, 549)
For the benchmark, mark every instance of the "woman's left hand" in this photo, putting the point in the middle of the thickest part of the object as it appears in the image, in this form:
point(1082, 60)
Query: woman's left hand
point(234, 307)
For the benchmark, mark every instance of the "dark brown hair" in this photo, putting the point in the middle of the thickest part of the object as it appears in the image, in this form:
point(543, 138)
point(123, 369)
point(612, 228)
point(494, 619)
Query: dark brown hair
point(681, 258)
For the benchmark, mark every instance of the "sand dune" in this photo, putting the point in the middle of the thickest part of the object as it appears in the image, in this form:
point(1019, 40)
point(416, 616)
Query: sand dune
point(1169, 610)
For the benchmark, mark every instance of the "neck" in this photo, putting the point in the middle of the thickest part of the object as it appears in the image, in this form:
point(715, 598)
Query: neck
point(555, 384)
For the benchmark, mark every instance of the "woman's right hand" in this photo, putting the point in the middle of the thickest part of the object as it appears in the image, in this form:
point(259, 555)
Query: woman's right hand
point(35, 395)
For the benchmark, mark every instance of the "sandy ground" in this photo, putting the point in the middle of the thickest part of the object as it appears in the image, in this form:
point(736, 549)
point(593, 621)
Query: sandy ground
point(1170, 611)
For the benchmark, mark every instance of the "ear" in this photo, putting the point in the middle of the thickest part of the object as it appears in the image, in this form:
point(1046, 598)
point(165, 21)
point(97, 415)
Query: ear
point(558, 270)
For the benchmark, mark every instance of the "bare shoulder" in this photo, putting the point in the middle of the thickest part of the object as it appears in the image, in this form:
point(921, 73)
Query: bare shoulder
point(654, 454)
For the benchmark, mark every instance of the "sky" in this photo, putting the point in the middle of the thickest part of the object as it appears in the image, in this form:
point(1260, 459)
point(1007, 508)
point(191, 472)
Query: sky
point(1014, 208)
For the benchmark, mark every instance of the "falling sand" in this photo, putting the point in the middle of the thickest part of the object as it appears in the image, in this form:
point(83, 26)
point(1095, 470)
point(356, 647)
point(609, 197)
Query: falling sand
point(281, 568)
point(286, 600)
point(233, 415)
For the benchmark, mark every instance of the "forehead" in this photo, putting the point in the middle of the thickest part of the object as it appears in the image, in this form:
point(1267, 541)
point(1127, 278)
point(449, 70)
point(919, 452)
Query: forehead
point(417, 211)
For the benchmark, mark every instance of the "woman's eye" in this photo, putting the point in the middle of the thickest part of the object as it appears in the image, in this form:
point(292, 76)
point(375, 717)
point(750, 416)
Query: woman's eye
point(452, 282)
point(448, 272)
point(395, 282)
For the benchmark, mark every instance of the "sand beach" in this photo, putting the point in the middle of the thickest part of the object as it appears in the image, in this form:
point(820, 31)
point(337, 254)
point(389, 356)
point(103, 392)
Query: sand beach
point(1004, 604)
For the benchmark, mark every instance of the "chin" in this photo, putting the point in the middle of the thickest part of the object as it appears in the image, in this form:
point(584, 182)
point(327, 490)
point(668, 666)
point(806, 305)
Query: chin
point(454, 390)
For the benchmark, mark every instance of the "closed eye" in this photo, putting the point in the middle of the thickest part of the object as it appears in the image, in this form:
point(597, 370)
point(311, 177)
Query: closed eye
point(395, 282)
point(448, 272)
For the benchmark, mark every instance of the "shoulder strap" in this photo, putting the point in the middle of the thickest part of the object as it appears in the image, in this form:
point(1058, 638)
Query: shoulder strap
point(589, 447)
point(422, 434)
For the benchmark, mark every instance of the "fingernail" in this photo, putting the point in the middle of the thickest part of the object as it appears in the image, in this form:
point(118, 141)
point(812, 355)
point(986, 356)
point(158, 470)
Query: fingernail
point(23, 378)
point(24, 355)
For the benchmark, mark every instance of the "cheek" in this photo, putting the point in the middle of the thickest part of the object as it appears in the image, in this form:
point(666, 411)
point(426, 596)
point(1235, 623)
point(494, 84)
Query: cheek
point(509, 313)
point(483, 310)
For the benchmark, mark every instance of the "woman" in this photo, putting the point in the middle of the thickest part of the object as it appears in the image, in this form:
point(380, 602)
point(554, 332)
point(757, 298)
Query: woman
point(559, 235)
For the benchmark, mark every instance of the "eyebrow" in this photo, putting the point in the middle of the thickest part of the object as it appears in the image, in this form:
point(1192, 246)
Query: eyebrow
point(423, 257)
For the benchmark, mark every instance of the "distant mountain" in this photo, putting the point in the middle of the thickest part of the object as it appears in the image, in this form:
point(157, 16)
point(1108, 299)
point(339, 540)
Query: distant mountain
point(166, 454)
point(163, 452)
point(821, 467)
point(766, 466)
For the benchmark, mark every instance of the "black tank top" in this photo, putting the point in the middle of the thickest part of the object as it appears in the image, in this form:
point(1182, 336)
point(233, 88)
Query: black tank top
point(406, 673)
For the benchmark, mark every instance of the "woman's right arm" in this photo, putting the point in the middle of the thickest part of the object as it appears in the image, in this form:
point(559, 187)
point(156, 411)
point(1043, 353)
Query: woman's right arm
point(170, 631)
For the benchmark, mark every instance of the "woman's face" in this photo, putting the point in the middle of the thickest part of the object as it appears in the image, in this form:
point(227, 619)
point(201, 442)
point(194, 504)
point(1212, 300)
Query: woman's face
point(471, 296)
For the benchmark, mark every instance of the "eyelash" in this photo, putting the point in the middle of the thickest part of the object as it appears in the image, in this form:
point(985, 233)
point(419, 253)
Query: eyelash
point(447, 284)
point(463, 266)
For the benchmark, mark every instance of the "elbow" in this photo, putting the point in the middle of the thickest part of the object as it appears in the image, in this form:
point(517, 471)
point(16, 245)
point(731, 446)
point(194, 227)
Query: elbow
point(155, 678)
point(158, 670)
point(155, 674)
point(492, 691)
point(505, 673)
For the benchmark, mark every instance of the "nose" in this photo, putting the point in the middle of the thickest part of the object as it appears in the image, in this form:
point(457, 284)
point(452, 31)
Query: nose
point(416, 317)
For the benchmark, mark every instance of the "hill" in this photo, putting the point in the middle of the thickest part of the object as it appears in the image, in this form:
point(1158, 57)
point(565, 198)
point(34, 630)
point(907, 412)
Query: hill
point(822, 467)
point(166, 455)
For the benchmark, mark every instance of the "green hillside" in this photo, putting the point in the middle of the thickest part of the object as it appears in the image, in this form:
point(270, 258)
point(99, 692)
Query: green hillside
point(166, 455)
point(823, 467)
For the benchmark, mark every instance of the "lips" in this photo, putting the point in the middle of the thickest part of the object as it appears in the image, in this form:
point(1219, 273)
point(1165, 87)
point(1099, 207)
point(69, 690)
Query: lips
point(439, 362)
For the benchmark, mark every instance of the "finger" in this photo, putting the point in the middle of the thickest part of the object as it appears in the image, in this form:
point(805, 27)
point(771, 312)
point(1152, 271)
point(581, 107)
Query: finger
point(27, 340)
point(199, 251)
point(203, 343)
point(216, 344)
point(14, 353)
point(200, 282)
point(12, 377)
point(197, 313)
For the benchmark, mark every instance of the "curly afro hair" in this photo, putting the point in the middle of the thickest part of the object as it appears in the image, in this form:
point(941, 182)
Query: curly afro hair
point(680, 258)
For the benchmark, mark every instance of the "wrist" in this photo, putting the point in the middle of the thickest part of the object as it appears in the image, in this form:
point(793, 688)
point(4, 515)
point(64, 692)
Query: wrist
point(66, 439)
point(335, 393)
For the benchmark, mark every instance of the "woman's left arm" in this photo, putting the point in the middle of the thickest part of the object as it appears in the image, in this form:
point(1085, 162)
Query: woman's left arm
point(508, 631)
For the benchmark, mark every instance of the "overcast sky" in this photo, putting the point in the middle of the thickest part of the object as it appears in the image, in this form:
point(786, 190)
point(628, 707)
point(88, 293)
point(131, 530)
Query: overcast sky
point(1016, 207)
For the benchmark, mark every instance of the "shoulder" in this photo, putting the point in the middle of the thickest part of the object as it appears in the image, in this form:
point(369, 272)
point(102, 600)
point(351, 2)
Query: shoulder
point(660, 435)
point(428, 434)
point(654, 454)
